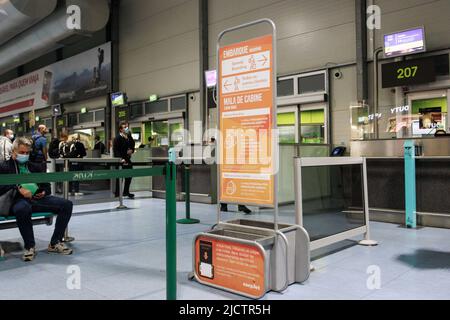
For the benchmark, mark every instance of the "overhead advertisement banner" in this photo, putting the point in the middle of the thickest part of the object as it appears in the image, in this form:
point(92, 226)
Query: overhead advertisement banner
point(81, 77)
point(246, 122)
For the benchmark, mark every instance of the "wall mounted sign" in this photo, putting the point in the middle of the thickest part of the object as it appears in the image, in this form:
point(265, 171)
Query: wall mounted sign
point(408, 73)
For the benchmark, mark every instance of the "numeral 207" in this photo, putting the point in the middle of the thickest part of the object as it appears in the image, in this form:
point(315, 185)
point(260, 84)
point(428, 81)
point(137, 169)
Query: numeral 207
point(409, 72)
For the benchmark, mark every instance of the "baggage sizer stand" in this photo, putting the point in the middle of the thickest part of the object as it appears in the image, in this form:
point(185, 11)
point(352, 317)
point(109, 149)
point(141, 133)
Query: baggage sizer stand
point(247, 257)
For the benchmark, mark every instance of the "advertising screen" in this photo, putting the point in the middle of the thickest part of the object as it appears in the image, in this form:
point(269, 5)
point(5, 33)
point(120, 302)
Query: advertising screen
point(404, 42)
point(211, 78)
point(117, 99)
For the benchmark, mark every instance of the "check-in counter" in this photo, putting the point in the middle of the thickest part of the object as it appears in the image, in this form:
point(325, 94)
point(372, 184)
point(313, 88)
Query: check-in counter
point(203, 177)
point(386, 180)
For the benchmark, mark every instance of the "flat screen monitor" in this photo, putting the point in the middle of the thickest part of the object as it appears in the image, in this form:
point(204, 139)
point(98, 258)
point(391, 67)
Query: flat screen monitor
point(211, 78)
point(118, 99)
point(404, 42)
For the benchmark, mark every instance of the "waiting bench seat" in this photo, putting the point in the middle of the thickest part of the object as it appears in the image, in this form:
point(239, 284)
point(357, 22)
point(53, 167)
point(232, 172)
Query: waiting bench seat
point(38, 218)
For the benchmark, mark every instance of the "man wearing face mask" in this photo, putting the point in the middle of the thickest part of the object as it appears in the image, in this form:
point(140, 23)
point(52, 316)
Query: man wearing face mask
point(123, 148)
point(6, 145)
point(32, 198)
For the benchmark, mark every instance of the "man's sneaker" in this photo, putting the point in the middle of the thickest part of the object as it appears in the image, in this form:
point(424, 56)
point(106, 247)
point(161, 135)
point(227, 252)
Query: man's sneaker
point(79, 194)
point(29, 255)
point(129, 195)
point(60, 248)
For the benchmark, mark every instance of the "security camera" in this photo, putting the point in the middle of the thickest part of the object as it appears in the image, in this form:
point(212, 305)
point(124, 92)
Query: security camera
point(337, 75)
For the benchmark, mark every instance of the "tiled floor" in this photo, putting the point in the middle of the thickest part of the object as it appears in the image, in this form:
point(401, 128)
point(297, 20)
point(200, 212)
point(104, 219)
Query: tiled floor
point(121, 255)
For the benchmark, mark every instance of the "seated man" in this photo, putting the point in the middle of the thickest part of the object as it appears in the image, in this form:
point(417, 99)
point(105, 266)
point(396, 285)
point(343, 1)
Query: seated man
point(33, 198)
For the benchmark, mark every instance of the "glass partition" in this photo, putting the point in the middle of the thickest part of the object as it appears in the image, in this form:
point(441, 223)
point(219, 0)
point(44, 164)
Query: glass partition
point(333, 200)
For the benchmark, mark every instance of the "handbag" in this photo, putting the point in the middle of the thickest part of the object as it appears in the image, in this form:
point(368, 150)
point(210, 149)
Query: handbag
point(7, 201)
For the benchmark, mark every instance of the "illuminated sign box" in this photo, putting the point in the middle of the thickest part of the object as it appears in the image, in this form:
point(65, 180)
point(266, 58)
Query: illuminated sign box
point(211, 78)
point(404, 42)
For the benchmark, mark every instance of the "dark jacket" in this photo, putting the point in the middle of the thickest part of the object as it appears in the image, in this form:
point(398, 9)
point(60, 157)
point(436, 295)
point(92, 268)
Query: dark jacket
point(11, 167)
point(121, 146)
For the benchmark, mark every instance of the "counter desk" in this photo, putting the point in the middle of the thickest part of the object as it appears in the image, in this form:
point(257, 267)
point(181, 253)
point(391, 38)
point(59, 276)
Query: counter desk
point(386, 181)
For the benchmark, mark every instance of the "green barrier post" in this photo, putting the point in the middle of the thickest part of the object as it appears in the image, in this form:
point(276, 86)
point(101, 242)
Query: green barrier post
point(410, 184)
point(171, 231)
point(187, 188)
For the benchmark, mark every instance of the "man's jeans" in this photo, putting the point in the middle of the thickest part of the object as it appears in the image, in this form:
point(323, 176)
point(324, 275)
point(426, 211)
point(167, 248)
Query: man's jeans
point(23, 209)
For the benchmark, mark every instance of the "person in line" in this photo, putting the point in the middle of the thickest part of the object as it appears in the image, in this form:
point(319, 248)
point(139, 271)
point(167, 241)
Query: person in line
point(39, 146)
point(77, 150)
point(99, 145)
point(6, 142)
point(32, 198)
point(123, 148)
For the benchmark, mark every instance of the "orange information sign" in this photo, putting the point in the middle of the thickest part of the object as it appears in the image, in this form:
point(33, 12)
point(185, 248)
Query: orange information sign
point(229, 265)
point(246, 80)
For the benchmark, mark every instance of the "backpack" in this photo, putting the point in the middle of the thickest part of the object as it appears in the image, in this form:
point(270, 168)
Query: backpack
point(5, 149)
point(53, 149)
point(34, 154)
point(77, 150)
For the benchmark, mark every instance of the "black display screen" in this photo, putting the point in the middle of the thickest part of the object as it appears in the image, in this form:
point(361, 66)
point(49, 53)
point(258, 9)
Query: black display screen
point(407, 73)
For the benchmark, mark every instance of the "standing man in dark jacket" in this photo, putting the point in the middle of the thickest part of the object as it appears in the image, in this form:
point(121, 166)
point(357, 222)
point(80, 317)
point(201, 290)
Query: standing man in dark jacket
point(123, 148)
point(33, 198)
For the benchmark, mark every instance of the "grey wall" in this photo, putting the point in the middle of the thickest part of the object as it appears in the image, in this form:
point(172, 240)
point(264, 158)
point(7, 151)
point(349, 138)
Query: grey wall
point(159, 43)
point(311, 33)
point(158, 49)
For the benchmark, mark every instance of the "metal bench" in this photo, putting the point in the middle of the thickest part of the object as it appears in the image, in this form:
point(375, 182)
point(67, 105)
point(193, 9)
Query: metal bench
point(11, 223)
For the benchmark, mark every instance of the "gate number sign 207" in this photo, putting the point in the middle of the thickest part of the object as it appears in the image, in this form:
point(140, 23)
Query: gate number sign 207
point(408, 72)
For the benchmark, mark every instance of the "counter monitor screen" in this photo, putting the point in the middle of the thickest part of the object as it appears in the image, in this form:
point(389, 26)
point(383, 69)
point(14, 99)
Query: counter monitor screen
point(118, 99)
point(404, 42)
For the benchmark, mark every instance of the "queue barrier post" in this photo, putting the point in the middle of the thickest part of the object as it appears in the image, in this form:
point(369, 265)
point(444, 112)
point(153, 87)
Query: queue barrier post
point(66, 238)
point(187, 188)
point(171, 231)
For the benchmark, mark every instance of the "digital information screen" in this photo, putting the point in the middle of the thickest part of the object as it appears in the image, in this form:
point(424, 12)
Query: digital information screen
point(117, 99)
point(211, 78)
point(404, 42)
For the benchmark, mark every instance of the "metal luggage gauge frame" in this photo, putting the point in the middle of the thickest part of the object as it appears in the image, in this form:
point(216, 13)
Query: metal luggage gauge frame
point(280, 270)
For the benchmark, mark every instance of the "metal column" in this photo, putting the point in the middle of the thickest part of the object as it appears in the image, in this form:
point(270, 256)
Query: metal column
point(204, 57)
point(361, 50)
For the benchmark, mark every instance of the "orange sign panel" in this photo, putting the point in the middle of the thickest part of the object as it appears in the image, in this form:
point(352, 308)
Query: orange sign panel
point(246, 122)
point(231, 266)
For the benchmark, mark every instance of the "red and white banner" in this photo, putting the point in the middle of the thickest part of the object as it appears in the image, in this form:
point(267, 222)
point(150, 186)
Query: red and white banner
point(83, 76)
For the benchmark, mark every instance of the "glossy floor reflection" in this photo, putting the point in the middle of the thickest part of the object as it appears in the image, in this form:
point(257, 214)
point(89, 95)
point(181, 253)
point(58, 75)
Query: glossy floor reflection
point(121, 255)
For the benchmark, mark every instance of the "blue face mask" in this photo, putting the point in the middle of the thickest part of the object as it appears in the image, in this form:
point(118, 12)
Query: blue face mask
point(127, 130)
point(23, 158)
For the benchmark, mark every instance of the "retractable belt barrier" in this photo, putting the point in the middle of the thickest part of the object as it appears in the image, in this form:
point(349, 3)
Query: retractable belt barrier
point(168, 171)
